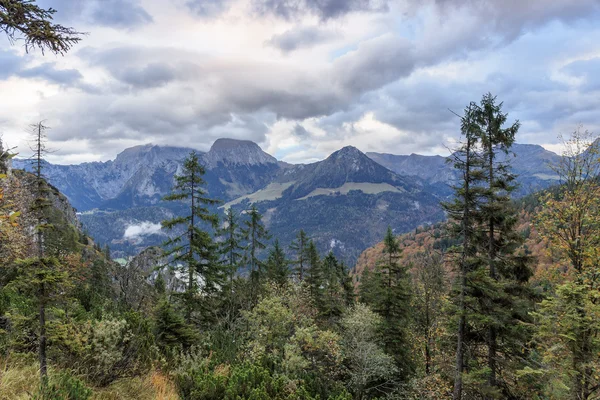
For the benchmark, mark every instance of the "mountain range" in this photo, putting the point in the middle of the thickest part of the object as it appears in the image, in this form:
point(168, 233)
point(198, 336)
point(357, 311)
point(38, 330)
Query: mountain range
point(344, 202)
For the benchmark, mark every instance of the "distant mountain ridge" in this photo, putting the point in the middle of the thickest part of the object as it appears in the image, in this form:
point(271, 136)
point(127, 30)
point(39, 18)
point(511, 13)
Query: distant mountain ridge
point(345, 202)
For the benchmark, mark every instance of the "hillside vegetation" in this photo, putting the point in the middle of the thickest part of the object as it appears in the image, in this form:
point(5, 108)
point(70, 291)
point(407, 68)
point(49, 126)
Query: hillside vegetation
point(498, 302)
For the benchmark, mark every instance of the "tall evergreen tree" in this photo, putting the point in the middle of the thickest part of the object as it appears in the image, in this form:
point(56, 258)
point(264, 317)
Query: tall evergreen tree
point(347, 284)
point(396, 306)
point(314, 274)
point(300, 247)
point(462, 211)
point(255, 235)
point(334, 292)
point(193, 251)
point(230, 247)
point(277, 265)
point(387, 291)
point(504, 301)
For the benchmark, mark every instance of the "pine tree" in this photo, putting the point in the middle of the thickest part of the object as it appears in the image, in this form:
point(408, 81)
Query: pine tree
point(230, 247)
point(387, 291)
point(255, 235)
point(347, 285)
point(277, 265)
point(193, 251)
point(462, 211)
point(314, 274)
point(504, 297)
point(171, 330)
point(396, 307)
point(300, 248)
point(334, 301)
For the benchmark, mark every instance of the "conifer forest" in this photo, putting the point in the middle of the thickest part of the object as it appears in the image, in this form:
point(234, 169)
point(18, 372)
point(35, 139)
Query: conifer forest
point(495, 296)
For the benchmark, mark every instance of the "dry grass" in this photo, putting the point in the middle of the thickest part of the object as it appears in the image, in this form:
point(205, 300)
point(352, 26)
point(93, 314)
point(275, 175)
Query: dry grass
point(154, 386)
point(19, 382)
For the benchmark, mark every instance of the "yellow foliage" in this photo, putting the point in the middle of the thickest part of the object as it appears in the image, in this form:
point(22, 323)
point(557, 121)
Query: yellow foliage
point(153, 386)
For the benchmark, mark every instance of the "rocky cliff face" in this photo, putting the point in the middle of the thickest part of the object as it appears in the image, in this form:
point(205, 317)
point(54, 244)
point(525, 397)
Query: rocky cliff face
point(143, 175)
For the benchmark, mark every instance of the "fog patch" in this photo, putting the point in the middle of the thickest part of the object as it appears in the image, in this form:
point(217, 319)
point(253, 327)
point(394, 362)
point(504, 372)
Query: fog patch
point(137, 231)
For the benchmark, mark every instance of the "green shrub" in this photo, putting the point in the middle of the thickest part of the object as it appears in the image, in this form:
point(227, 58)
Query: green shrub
point(65, 387)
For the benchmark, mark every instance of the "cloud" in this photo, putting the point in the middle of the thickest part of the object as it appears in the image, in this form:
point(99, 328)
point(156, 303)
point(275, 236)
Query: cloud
point(120, 14)
point(324, 9)
point(137, 231)
point(301, 37)
point(49, 72)
point(208, 8)
point(308, 75)
point(10, 63)
point(587, 71)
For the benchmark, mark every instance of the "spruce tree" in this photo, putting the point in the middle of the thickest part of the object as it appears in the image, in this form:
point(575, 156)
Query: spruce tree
point(314, 274)
point(255, 235)
point(504, 299)
point(300, 248)
point(334, 301)
point(461, 212)
point(193, 251)
point(396, 307)
point(347, 284)
point(230, 247)
point(277, 265)
point(387, 291)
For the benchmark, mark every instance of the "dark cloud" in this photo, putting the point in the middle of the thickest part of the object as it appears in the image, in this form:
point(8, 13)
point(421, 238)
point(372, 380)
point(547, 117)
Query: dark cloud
point(324, 9)
point(152, 75)
point(511, 18)
point(208, 8)
point(48, 72)
point(301, 37)
point(121, 14)
point(375, 63)
point(10, 64)
point(300, 131)
point(587, 70)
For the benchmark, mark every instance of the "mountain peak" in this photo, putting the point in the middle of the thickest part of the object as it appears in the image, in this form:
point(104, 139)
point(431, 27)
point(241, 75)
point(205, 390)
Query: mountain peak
point(227, 143)
point(237, 152)
point(349, 150)
point(149, 154)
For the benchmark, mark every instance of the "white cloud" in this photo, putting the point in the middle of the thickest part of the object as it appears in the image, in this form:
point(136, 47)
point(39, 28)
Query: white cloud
point(137, 231)
point(381, 81)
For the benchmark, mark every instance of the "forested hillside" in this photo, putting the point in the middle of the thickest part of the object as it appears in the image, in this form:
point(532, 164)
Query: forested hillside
point(228, 274)
point(500, 301)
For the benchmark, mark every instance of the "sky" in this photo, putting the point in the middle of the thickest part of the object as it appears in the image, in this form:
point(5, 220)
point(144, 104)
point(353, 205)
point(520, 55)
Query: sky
point(302, 78)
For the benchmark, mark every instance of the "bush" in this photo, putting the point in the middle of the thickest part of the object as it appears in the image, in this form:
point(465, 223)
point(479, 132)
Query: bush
point(65, 387)
point(197, 378)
